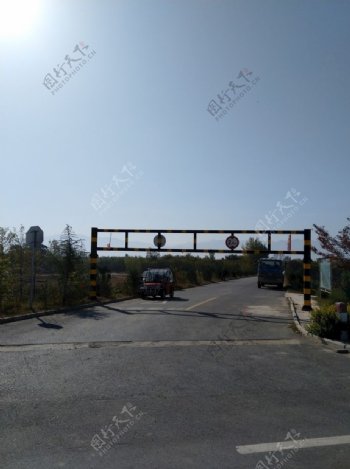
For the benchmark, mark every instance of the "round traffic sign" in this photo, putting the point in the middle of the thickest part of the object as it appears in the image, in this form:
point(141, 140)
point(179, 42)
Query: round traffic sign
point(232, 242)
point(159, 240)
point(34, 236)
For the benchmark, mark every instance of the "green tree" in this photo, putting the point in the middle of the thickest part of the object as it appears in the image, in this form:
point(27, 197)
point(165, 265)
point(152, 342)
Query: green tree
point(152, 255)
point(250, 263)
point(69, 259)
point(20, 265)
point(7, 241)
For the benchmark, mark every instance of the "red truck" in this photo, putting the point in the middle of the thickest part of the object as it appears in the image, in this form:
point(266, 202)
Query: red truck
point(157, 282)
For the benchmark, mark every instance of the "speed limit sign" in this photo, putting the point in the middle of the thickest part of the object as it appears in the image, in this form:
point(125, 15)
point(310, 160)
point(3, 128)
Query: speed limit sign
point(232, 242)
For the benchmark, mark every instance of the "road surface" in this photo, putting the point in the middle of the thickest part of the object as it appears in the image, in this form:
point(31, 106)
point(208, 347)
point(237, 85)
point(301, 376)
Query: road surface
point(214, 378)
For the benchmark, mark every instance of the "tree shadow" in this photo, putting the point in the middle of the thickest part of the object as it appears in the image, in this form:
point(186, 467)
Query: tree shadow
point(163, 312)
point(175, 298)
point(48, 325)
point(87, 314)
point(90, 313)
point(119, 310)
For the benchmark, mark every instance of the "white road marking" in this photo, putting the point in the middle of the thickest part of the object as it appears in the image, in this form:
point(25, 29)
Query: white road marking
point(200, 304)
point(297, 444)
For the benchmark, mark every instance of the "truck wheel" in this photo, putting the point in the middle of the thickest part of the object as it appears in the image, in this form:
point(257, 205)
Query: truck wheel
point(259, 285)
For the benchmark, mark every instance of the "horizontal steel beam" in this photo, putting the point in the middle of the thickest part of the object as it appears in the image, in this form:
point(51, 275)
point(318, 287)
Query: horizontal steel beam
point(219, 251)
point(112, 230)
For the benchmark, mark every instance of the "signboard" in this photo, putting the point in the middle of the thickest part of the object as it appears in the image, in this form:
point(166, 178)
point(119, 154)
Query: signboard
point(232, 242)
point(159, 241)
point(34, 236)
point(325, 275)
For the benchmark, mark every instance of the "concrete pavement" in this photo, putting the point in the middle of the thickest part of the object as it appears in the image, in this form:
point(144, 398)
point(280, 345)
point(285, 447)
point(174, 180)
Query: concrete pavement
point(205, 381)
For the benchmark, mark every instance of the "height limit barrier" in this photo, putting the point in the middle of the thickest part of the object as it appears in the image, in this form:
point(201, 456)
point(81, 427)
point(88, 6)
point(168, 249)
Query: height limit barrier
point(160, 248)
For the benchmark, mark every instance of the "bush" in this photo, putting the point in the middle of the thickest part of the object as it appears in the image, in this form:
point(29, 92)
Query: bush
point(325, 323)
point(345, 284)
point(337, 295)
point(182, 280)
point(133, 281)
point(48, 294)
point(104, 285)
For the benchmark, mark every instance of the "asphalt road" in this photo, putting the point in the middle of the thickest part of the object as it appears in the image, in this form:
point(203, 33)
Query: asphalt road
point(213, 378)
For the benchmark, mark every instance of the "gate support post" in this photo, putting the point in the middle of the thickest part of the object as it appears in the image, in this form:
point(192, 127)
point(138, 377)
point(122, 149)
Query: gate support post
point(307, 271)
point(93, 266)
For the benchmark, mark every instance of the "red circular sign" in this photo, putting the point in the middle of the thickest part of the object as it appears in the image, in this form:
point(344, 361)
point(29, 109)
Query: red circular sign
point(232, 242)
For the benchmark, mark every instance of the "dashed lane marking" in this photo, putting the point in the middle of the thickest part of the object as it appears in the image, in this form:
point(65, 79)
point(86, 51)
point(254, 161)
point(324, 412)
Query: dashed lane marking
point(200, 304)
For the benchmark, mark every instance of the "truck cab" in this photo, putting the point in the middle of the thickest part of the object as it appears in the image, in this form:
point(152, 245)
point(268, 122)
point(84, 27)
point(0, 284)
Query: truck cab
point(157, 282)
point(271, 272)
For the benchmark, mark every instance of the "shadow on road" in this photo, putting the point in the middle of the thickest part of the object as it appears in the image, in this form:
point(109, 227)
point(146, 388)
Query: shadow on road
point(164, 312)
point(200, 314)
point(48, 325)
point(175, 298)
point(87, 314)
point(119, 310)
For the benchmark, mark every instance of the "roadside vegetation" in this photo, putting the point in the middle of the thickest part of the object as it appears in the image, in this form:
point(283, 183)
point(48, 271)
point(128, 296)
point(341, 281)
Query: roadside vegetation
point(62, 271)
point(62, 274)
point(325, 320)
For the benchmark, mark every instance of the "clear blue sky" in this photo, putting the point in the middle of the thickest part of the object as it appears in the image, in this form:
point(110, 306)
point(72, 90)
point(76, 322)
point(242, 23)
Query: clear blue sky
point(133, 123)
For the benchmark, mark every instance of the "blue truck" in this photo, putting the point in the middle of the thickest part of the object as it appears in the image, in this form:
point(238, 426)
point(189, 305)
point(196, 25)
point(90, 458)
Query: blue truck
point(271, 272)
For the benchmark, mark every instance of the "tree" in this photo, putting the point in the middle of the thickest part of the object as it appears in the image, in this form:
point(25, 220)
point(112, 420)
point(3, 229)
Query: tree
point(250, 261)
point(337, 249)
point(20, 260)
point(4, 266)
point(69, 257)
point(8, 278)
point(334, 247)
point(152, 254)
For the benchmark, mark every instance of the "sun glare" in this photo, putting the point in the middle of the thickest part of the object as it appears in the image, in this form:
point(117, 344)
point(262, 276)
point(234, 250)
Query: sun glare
point(18, 17)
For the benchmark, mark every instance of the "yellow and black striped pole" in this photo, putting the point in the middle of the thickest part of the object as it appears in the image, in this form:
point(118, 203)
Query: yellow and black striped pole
point(93, 265)
point(307, 270)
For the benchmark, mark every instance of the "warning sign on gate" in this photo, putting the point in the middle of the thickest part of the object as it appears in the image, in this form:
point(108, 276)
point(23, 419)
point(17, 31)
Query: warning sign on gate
point(232, 242)
point(159, 241)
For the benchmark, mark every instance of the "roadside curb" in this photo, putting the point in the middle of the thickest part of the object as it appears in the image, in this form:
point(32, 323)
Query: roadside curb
point(296, 319)
point(341, 346)
point(51, 312)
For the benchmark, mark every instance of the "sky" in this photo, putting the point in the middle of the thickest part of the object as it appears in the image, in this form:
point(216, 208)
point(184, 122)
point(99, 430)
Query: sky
point(186, 114)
